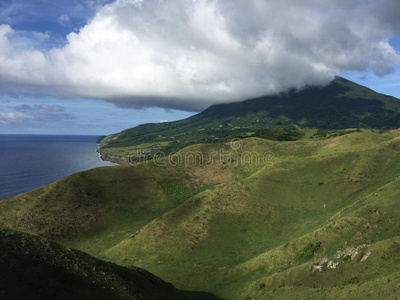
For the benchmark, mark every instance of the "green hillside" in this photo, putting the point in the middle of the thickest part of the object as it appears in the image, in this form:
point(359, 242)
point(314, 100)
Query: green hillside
point(311, 218)
point(34, 268)
point(340, 105)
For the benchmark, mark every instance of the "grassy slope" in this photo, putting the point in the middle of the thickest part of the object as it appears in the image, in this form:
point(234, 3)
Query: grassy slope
point(33, 268)
point(112, 202)
point(340, 105)
point(217, 230)
point(237, 230)
point(369, 221)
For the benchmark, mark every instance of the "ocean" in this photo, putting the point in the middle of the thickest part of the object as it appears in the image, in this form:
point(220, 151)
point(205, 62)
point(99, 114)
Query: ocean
point(31, 161)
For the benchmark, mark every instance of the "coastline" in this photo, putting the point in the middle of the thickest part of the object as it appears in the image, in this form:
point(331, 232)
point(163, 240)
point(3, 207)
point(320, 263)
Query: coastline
point(109, 158)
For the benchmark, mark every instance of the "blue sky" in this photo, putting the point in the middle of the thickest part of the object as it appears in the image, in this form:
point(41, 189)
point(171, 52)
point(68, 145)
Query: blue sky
point(57, 17)
point(42, 25)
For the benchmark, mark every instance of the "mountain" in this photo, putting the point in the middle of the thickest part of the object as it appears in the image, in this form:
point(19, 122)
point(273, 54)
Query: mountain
point(34, 268)
point(340, 105)
point(312, 218)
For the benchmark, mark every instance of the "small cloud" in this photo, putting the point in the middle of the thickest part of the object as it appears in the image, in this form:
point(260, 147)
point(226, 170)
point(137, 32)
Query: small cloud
point(35, 113)
point(48, 117)
point(13, 117)
point(163, 121)
point(23, 107)
point(51, 108)
point(42, 107)
point(63, 20)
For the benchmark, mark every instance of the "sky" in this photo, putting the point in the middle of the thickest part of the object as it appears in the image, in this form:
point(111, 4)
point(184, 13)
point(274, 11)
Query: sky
point(101, 66)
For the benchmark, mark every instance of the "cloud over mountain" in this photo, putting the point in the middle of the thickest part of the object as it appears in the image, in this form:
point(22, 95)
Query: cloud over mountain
point(188, 54)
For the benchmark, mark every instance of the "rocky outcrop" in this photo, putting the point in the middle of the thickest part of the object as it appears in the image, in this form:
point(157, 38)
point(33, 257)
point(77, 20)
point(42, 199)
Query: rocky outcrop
point(111, 158)
point(351, 252)
point(341, 256)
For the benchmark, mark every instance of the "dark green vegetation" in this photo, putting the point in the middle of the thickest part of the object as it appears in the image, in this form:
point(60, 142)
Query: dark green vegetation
point(33, 268)
point(308, 251)
point(240, 228)
point(340, 105)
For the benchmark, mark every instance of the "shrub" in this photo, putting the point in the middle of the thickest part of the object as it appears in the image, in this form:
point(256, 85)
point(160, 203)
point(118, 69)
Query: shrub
point(308, 251)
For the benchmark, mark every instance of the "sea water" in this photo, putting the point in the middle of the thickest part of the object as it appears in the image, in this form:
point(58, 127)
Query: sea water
point(31, 161)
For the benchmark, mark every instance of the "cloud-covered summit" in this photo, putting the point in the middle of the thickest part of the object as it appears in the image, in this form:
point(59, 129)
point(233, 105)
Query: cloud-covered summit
point(188, 54)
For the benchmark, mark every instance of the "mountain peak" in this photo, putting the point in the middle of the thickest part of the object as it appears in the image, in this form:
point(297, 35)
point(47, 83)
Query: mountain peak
point(340, 105)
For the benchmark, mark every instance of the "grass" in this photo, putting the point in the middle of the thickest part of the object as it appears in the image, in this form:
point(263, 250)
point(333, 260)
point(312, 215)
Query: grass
point(247, 230)
point(84, 206)
point(34, 268)
point(177, 192)
point(308, 251)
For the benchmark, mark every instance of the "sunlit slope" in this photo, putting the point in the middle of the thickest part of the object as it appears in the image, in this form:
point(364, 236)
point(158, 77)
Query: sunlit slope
point(33, 268)
point(95, 209)
point(234, 222)
point(370, 224)
point(342, 104)
point(233, 225)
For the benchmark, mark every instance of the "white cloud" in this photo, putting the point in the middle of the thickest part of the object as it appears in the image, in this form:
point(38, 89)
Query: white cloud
point(188, 54)
point(63, 20)
point(13, 117)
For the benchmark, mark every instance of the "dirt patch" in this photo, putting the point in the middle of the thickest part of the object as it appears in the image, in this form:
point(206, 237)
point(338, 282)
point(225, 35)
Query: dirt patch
point(332, 142)
point(209, 174)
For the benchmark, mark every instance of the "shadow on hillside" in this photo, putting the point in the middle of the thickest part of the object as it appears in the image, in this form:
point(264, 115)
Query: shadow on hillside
point(201, 295)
